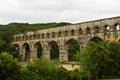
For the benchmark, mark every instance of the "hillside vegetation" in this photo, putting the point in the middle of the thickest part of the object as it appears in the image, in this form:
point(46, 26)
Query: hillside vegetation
point(16, 28)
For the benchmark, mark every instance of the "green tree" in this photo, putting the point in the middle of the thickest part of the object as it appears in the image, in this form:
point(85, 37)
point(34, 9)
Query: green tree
point(9, 67)
point(3, 45)
point(101, 60)
point(42, 69)
point(78, 74)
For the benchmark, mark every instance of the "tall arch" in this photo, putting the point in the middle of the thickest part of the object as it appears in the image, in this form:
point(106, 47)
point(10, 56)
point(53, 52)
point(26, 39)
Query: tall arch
point(96, 39)
point(54, 50)
point(26, 51)
point(38, 46)
point(72, 47)
point(17, 48)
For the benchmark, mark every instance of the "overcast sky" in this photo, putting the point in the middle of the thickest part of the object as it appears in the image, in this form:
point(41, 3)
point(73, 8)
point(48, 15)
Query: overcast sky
point(43, 11)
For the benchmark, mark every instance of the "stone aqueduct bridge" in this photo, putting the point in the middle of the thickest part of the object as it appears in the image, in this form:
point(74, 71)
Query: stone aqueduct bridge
point(105, 29)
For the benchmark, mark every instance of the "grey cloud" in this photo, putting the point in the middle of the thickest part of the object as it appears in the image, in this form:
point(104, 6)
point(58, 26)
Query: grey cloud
point(35, 11)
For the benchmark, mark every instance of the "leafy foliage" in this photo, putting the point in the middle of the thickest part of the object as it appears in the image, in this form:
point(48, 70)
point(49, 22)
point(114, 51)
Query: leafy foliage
point(79, 74)
point(101, 59)
point(42, 69)
point(9, 67)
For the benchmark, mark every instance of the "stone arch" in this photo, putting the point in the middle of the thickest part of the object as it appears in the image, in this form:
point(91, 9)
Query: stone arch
point(117, 27)
point(96, 29)
point(66, 33)
point(30, 37)
point(72, 32)
point(119, 40)
point(26, 51)
point(19, 38)
point(80, 31)
point(54, 50)
point(17, 50)
point(72, 47)
point(16, 38)
point(53, 34)
point(16, 46)
point(38, 36)
point(47, 35)
point(88, 30)
point(107, 31)
point(23, 37)
point(34, 36)
point(95, 39)
point(59, 34)
point(107, 27)
point(38, 47)
point(42, 35)
point(26, 37)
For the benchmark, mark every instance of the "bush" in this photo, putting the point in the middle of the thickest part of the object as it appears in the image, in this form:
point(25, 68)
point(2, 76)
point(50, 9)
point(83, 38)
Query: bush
point(9, 67)
point(101, 60)
point(79, 74)
point(42, 69)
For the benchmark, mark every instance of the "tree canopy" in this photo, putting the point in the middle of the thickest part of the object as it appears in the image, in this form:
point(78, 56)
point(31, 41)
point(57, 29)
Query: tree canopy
point(9, 67)
point(101, 60)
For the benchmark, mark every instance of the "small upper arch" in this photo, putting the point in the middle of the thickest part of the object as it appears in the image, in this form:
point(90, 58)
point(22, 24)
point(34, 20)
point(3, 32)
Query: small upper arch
point(107, 28)
point(80, 31)
point(53, 34)
point(117, 26)
point(96, 29)
point(47, 35)
point(59, 34)
point(42, 35)
point(66, 33)
point(88, 30)
point(72, 32)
